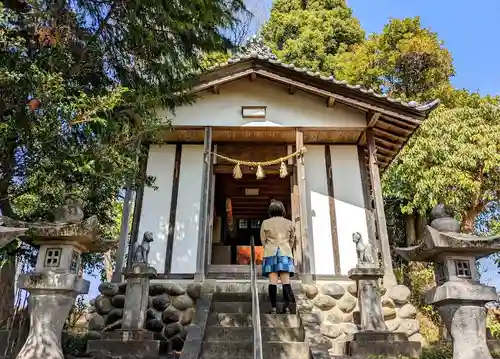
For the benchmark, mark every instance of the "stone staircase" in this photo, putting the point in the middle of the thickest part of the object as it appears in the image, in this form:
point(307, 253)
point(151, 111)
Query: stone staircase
point(229, 330)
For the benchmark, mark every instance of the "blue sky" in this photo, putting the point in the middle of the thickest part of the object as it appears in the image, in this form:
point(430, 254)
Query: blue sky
point(468, 31)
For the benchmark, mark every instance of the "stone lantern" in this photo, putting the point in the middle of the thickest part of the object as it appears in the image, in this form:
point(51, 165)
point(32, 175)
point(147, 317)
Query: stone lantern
point(458, 295)
point(56, 281)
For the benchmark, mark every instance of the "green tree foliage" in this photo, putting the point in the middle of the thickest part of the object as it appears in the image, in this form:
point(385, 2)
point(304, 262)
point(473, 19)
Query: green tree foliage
point(80, 84)
point(310, 33)
point(454, 159)
point(405, 61)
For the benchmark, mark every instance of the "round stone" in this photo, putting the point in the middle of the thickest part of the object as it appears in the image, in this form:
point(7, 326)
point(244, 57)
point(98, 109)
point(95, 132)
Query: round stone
point(392, 324)
point(324, 302)
point(157, 289)
point(108, 289)
point(118, 301)
point(352, 289)
point(187, 316)
point(417, 337)
point(194, 290)
point(172, 329)
point(446, 225)
point(409, 326)
point(103, 305)
point(310, 290)
point(114, 315)
point(389, 313)
point(408, 311)
point(348, 328)
point(333, 290)
point(388, 302)
point(122, 288)
point(154, 325)
point(153, 314)
point(399, 294)
point(175, 289)
point(171, 315)
point(331, 330)
point(347, 303)
point(177, 341)
point(96, 322)
point(183, 302)
point(334, 316)
point(92, 302)
point(161, 302)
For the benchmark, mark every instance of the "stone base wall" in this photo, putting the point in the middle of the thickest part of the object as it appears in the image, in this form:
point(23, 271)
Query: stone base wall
point(171, 309)
point(334, 307)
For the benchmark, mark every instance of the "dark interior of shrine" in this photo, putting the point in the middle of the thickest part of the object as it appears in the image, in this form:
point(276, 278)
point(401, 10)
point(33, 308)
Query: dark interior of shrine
point(240, 206)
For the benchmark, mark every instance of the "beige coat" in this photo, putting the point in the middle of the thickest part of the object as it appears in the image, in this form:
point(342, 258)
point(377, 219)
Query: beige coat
point(277, 232)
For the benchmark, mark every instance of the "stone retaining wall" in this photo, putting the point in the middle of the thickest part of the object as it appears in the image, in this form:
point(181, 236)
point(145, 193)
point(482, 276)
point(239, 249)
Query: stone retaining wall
point(171, 309)
point(334, 307)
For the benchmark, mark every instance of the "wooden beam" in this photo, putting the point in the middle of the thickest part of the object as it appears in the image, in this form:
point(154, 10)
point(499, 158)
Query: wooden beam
point(303, 237)
point(383, 236)
point(253, 76)
point(330, 101)
point(333, 216)
point(372, 118)
point(291, 89)
point(392, 136)
point(173, 208)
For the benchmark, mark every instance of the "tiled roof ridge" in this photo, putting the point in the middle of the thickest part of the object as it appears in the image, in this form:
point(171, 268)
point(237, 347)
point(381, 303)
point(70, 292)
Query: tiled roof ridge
point(256, 49)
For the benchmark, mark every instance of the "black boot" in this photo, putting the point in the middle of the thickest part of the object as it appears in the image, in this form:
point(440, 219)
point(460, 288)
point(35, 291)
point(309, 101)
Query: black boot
point(288, 297)
point(273, 293)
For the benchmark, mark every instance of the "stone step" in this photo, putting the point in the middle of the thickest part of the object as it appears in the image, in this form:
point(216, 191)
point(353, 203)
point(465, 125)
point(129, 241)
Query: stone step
point(244, 350)
point(245, 320)
point(245, 307)
point(241, 334)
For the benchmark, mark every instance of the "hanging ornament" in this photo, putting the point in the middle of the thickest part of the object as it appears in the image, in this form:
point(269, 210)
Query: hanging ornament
point(260, 172)
point(237, 174)
point(283, 170)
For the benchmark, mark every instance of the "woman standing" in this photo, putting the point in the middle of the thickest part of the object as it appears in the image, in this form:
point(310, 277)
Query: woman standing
point(278, 238)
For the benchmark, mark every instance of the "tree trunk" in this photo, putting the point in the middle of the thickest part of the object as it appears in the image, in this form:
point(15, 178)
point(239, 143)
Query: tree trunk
point(108, 265)
point(7, 294)
point(470, 218)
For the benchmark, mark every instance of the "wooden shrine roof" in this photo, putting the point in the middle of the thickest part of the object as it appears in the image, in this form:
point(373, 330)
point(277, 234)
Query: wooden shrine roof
point(393, 120)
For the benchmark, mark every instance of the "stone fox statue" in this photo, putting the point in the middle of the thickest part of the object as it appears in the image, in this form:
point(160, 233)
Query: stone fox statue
point(141, 250)
point(364, 251)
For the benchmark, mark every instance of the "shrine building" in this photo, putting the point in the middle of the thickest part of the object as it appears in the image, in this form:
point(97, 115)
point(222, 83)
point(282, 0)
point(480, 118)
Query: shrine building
point(262, 130)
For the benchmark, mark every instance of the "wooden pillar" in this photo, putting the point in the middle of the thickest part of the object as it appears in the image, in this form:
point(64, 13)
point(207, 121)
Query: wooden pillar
point(173, 209)
point(204, 207)
point(333, 216)
point(369, 211)
point(389, 277)
point(306, 274)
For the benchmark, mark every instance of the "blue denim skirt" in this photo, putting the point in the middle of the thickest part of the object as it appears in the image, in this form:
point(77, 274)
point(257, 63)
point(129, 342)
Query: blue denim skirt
point(276, 264)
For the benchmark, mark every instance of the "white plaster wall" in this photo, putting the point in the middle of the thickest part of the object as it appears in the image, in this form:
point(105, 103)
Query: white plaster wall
point(283, 110)
point(185, 246)
point(156, 204)
point(349, 202)
point(318, 209)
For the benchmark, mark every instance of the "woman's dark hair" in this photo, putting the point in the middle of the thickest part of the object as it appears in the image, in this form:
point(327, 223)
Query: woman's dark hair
point(276, 209)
